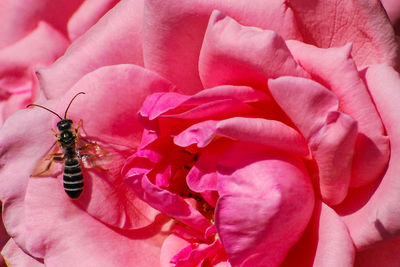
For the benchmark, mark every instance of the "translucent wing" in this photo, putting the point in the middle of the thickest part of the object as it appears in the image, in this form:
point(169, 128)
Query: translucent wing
point(93, 154)
point(50, 164)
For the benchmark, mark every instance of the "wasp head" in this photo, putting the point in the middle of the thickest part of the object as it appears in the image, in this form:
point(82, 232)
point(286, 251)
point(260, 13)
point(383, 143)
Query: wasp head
point(64, 124)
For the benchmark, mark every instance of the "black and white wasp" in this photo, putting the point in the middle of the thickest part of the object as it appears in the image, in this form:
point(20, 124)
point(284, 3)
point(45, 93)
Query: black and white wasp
point(71, 149)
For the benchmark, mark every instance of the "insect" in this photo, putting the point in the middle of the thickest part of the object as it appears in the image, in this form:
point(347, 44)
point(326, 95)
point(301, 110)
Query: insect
point(69, 141)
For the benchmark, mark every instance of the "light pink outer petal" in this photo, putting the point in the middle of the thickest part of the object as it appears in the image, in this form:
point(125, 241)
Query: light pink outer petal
point(13, 103)
point(108, 104)
point(115, 39)
point(15, 256)
point(62, 234)
point(326, 23)
point(326, 242)
point(335, 68)
point(331, 135)
point(265, 198)
point(114, 96)
point(174, 30)
point(87, 15)
point(19, 17)
point(41, 47)
point(235, 54)
point(371, 214)
point(392, 8)
point(382, 254)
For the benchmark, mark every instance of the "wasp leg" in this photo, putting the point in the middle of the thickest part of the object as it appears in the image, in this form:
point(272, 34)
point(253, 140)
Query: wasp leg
point(80, 123)
point(55, 133)
point(54, 157)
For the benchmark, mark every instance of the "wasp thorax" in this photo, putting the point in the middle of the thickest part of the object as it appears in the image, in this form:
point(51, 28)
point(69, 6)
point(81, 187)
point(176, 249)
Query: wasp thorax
point(64, 125)
point(67, 137)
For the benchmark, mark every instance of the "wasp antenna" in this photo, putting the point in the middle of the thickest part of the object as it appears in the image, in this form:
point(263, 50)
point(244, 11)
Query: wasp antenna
point(30, 105)
point(66, 111)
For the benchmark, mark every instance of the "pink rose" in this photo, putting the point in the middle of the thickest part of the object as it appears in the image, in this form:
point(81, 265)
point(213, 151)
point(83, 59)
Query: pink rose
point(266, 141)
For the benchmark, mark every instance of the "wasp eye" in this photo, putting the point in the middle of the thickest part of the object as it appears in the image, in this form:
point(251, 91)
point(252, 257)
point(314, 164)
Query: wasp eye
point(64, 125)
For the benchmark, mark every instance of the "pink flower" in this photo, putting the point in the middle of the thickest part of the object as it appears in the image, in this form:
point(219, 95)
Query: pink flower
point(283, 144)
point(239, 135)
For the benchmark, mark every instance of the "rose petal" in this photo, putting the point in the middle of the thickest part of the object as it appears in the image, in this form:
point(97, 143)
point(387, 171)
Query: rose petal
point(114, 95)
point(115, 39)
point(325, 24)
point(382, 254)
point(274, 203)
point(306, 102)
point(325, 242)
point(14, 256)
point(375, 208)
point(14, 102)
point(55, 237)
point(174, 31)
point(87, 15)
point(19, 17)
point(335, 69)
point(171, 113)
point(105, 197)
point(203, 175)
point(200, 254)
point(200, 134)
point(167, 202)
point(270, 133)
point(171, 246)
point(214, 110)
point(392, 8)
point(331, 135)
point(159, 103)
point(18, 60)
point(235, 54)
point(245, 94)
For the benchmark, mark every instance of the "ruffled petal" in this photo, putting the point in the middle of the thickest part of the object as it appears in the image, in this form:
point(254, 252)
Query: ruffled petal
point(235, 54)
point(265, 198)
point(174, 31)
point(325, 23)
point(335, 68)
point(51, 232)
point(115, 39)
point(371, 213)
point(15, 256)
point(17, 61)
point(392, 8)
point(382, 254)
point(87, 15)
point(168, 203)
point(331, 135)
point(19, 17)
point(325, 242)
point(104, 111)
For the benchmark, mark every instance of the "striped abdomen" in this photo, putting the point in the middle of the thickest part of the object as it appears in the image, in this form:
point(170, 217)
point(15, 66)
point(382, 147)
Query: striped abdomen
point(73, 178)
